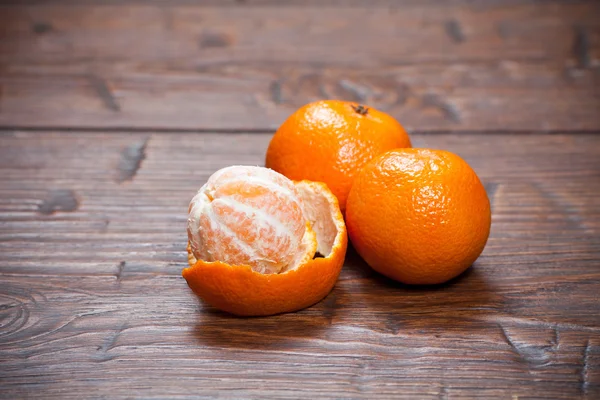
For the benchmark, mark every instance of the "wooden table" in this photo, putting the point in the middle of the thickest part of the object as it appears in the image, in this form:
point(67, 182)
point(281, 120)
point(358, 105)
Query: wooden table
point(112, 116)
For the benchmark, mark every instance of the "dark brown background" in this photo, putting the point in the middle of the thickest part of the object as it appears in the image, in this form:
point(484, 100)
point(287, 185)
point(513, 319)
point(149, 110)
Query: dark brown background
point(112, 115)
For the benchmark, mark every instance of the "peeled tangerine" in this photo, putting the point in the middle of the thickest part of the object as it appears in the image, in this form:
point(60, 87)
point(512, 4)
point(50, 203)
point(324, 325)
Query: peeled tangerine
point(261, 244)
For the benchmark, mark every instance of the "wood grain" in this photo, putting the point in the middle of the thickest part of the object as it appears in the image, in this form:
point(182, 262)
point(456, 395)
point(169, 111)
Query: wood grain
point(93, 303)
point(435, 66)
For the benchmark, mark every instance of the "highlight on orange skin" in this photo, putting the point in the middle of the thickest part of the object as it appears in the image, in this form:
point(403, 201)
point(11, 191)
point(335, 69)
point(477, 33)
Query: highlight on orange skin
point(250, 216)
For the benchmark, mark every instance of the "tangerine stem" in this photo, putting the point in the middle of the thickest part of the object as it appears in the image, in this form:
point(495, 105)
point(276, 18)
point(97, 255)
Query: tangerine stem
point(362, 110)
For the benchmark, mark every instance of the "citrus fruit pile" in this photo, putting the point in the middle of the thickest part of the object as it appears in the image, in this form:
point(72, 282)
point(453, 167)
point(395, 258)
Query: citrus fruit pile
point(269, 240)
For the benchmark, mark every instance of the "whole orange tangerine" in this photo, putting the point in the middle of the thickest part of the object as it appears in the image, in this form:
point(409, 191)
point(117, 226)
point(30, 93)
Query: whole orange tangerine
point(418, 216)
point(330, 141)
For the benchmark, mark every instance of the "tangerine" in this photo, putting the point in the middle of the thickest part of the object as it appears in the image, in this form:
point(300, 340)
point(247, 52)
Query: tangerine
point(418, 216)
point(252, 216)
point(330, 140)
point(253, 237)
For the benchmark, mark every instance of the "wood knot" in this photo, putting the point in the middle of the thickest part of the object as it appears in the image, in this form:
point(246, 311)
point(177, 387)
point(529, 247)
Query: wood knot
point(41, 27)
point(59, 200)
point(581, 47)
point(215, 39)
point(131, 161)
point(14, 309)
point(454, 31)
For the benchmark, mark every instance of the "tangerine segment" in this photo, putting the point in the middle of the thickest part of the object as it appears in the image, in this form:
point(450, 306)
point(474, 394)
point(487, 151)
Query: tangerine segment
point(250, 215)
point(240, 290)
point(418, 216)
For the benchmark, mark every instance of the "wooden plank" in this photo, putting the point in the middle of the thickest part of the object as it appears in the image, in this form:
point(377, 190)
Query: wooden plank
point(390, 4)
point(93, 304)
point(500, 66)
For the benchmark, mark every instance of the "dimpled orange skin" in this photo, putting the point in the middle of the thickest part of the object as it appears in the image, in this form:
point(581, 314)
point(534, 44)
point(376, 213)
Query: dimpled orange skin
point(330, 141)
point(418, 216)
